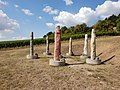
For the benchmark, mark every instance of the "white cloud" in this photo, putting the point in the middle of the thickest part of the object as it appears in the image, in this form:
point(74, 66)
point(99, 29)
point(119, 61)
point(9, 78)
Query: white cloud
point(50, 10)
point(50, 25)
point(16, 5)
point(40, 17)
point(27, 12)
point(85, 15)
point(19, 38)
point(108, 8)
point(68, 2)
point(2, 35)
point(2, 4)
point(7, 24)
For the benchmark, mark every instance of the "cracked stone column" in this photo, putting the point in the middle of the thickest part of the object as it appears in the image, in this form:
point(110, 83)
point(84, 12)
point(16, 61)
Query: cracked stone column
point(84, 56)
point(47, 47)
point(58, 60)
point(70, 53)
point(31, 44)
point(93, 45)
point(32, 55)
point(93, 59)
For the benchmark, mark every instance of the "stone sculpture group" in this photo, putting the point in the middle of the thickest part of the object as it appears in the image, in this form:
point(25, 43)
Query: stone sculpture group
point(58, 59)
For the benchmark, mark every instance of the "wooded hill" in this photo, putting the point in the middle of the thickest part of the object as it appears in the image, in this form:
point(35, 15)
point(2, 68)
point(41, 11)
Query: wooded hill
point(109, 25)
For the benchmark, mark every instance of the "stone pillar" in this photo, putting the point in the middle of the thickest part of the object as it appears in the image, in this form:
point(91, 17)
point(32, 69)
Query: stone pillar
point(85, 49)
point(31, 44)
point(32, 55)
point(93, 45)
point(47, 47)
point(57, 61)
point(93, 59)
point(57, 46)
point(70, 53)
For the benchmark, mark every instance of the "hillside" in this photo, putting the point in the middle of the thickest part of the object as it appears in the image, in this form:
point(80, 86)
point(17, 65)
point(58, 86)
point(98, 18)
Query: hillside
point(110, 24)
point(18, 73)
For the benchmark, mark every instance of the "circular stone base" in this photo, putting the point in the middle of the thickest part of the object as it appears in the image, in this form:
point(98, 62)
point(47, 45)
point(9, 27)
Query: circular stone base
point(69, 54)
point(61, 56)
point(44, 53)
point(35, 56)
point(96, 61)
point(83, 57)
point(57, 63)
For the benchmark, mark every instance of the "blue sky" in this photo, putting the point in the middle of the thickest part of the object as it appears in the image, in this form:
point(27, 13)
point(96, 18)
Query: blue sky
point(19, 17)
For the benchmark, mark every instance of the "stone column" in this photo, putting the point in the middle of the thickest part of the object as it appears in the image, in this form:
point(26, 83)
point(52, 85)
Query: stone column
point(32, 55)
point(57, 61)
point(93, 45)
point(93, 59)
point(70, 53)
point(57, 46)
point(85, 49)
point(31, 44)
point(47, 47)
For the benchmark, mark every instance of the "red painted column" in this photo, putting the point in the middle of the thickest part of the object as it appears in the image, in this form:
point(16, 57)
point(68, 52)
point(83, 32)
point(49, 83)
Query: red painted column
point(57, 47)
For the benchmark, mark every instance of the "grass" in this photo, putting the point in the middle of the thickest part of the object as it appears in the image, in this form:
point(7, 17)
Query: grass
point(18, 73)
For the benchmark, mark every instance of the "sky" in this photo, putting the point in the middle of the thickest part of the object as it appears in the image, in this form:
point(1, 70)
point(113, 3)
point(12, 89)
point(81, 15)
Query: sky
point(20, 17)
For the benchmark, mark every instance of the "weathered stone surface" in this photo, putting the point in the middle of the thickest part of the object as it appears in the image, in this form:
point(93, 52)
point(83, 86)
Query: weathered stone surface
point(85, 49)
point(58, 60)
point(93, 59)
point(57, 63)
point(47, 47)
point(83, 57)
point(35, 56)
point(32, 55)
point(31, 44)
point(93, 45)
point(70, 53)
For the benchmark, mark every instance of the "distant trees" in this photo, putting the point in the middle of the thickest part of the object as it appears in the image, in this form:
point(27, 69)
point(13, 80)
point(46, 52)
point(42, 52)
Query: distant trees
point(118, 25)
point(110, 24)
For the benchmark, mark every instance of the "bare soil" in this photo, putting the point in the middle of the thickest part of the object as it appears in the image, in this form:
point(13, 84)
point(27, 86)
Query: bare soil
point(18, 73)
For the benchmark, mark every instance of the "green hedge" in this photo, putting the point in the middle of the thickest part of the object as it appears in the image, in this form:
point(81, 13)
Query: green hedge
point(20, 43)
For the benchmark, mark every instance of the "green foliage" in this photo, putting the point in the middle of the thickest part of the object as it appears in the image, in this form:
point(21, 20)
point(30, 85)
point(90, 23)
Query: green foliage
point(108, 24)
point(20, 43)
point(118, 24)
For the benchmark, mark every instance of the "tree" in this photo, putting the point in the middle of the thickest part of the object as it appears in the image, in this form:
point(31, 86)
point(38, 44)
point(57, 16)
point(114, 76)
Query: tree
point(49, 33)
point(63, 29)
point(118, 24)
point(83, 27)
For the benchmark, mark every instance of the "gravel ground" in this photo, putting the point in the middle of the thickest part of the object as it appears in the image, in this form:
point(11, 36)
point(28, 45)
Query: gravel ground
point(18, 73)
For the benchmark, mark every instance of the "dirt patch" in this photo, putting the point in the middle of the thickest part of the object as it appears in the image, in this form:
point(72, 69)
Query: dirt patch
point(18, 73)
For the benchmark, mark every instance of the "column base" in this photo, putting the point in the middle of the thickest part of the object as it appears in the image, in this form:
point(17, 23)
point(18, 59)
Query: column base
point(69, 54)
point(83, 57)
point(97, 61)
point(61, 56)
point(44, 53)
point(56, 63)
point(35, 56)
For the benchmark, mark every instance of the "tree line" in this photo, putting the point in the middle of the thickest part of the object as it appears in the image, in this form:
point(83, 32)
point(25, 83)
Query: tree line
point(110, 24)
